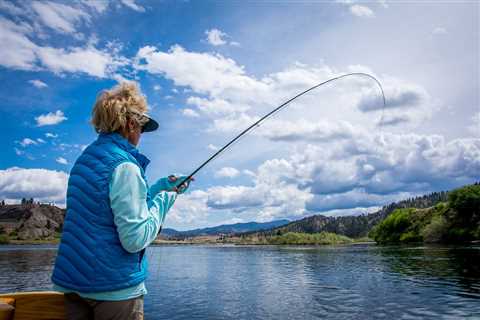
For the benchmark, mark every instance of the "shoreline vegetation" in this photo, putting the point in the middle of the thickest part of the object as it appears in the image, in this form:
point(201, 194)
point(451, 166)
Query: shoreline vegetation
point(290, 238)
point(454, 221)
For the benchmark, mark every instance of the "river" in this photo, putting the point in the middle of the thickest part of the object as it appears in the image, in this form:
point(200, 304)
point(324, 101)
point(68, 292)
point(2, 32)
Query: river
point(283, 282)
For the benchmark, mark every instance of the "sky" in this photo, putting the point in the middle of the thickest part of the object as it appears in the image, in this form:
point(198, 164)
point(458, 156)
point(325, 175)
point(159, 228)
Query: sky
point(209, 69)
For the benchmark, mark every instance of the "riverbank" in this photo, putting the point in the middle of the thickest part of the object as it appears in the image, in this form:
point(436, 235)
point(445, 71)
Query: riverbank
point(291, 238)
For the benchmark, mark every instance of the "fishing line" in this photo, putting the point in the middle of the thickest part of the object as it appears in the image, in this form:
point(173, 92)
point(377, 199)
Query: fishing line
point(277, 109)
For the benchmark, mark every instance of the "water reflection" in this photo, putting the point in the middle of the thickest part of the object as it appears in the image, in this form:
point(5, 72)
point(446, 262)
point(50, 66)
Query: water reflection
point(351, 282)
point(445, 266)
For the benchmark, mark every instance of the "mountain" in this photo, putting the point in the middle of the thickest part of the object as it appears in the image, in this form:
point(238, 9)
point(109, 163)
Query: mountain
point(352, 226)
point(223, 229)
point(31, 221)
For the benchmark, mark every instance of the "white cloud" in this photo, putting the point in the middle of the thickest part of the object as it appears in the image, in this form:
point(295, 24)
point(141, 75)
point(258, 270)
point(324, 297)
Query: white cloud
point(216, 37)
point(190, 113)
point(157, 87)
point(40, 140)
point(59, 17)
point(348, 178)
point(475, 127)
point(190, 208)
point(132, 5)
point(50, 118)
point(361, 11)
point(51, 135)
point(27, 141)
point(19, 152)
point(99, 5)
point(38, 83)
point(212, 147)
point(227, 172)
point(61, 160)
point(19, 52)
point(41, 184)
point(203, 72)
point(350, 159)
point(16, 51)
point(88, 60)
point(10, 8)
point(439, 31)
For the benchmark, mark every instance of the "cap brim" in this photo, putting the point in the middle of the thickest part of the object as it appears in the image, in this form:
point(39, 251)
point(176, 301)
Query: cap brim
point(150, 126)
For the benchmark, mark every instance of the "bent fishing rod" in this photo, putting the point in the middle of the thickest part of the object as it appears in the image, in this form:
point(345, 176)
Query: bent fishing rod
point(280, 107)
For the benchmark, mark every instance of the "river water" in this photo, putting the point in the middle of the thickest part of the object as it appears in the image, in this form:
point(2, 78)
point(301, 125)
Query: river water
point(270, 282)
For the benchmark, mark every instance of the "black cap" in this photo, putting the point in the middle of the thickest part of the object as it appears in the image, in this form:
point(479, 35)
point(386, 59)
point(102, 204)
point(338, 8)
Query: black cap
point(150, 126)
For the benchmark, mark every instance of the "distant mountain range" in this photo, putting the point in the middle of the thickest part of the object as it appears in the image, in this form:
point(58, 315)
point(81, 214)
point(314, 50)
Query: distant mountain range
point(224, 229)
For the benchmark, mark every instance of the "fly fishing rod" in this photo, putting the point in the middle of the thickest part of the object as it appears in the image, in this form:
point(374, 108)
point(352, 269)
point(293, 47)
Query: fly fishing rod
point(280, 107)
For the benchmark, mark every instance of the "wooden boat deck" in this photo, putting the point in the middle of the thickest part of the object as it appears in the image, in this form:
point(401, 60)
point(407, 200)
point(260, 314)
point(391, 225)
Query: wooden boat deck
point(32, 306)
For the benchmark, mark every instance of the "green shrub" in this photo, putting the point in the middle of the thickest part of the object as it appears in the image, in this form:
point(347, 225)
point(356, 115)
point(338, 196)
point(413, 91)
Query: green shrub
point(466, 202)
point(4, 239)
point(436, 230)
point(322, 238)
point(410, 236)
point(391, 229)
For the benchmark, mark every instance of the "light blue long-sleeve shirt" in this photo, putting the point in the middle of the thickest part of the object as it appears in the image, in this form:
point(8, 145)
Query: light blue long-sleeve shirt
point(137, 225)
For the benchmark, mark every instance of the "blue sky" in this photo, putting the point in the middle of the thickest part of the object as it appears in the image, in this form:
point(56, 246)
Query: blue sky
point(209, 69)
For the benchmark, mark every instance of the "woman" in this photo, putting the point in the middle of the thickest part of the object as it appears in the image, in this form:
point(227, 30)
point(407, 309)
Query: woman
point(112, 215)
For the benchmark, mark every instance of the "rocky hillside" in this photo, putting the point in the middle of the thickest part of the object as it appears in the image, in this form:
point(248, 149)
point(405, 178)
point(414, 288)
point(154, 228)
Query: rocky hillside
point(31, 221)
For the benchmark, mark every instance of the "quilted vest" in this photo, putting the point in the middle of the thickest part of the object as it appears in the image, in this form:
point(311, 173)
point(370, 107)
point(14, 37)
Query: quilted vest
point(90, 257)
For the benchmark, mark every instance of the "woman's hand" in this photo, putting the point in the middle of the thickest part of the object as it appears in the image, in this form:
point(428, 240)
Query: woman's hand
point(180, 188)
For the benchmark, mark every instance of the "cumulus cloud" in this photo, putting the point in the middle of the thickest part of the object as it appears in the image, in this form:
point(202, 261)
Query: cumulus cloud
point(344, 163)
point(88, 60)
point(207, 73)
point(227, 172)
point(51, 135)
point(50, 118)
point(61, 160)
point(362, 11)
point(216, 37)
point(38, 83)
point(41, 184)
point(351, 178)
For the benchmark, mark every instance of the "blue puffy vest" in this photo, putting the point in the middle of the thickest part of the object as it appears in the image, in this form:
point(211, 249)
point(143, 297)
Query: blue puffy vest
point(90, 256)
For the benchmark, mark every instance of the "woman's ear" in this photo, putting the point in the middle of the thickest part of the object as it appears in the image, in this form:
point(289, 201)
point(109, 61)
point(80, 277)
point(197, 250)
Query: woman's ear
point(131, 125)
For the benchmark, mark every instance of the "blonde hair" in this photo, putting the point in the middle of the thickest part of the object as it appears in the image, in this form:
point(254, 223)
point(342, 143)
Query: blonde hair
point(114, 107)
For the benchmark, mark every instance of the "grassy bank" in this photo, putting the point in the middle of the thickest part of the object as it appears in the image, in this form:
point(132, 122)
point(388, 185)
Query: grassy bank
point(290, 238)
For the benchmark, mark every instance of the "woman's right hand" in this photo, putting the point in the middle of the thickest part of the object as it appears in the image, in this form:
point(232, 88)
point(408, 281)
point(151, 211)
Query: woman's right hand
point(175, 180)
